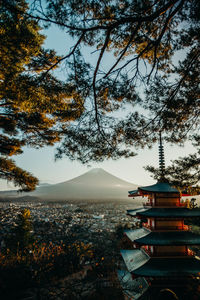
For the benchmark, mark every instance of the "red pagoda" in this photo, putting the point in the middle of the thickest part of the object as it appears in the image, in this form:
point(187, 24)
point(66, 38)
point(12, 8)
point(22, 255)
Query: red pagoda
point(160, 256)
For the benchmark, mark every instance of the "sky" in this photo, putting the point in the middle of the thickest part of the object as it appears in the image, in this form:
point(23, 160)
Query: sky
point(41, 163)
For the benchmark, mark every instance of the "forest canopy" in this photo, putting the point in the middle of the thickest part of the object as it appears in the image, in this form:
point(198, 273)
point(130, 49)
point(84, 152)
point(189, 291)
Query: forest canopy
point(132, 70)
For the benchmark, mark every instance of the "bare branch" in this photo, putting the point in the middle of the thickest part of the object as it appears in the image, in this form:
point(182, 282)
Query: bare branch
point(95, 75)
point(66, 56)
point(124, 50)
point(157, 42)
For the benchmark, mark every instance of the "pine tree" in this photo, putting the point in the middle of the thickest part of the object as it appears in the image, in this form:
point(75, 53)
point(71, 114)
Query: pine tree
point(143, 38)
point(33, 103)
point(184, 173)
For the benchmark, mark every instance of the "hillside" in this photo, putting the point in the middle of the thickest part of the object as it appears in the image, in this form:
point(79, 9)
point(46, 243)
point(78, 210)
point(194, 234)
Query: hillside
point(95, 184)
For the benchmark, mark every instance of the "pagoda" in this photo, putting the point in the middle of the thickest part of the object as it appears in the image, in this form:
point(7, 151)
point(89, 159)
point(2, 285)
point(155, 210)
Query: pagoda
point(160, 256)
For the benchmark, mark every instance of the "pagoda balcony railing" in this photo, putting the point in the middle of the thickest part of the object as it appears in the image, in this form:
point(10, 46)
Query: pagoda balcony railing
point(166, 204)
point(183, 204)
point(185, 253)
point(147, 204)
point(174, 204)
point(181, 227)
point(148, 252)
point(146, 225)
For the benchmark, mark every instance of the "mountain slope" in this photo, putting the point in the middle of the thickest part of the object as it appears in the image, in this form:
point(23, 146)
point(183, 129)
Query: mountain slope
point(94, 184)
point(98, 177)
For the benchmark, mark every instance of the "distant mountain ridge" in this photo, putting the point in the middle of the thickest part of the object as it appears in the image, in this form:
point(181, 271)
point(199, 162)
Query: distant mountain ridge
point(97, 176)
point(96, 184)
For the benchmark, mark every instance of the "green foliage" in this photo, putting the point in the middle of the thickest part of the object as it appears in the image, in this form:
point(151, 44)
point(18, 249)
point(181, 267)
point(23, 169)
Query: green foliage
point(10, 172)
point(193, 203)
point(183, 173)
point(21, 235)
point(33, 103)
point(135, 45)
point(195, 226)
point(39, 264)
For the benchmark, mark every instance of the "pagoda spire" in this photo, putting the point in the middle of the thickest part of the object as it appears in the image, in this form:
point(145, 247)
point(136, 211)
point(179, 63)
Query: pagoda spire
point(160, 256)
point(161, 159)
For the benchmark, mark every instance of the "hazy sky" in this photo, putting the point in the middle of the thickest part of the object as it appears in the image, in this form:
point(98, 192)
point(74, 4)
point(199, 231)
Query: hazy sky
point(41, 162)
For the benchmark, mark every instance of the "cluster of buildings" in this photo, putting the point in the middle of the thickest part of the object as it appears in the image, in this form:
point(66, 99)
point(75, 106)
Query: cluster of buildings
point(56, 221)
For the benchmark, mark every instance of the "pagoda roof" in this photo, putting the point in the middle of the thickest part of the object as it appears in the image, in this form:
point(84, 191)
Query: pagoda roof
point(134, 193)
point(133, 212)
point(177, 212)
point(167, 266)
point(136, 233)
point(134, 288)
point(140, 264)
point(159, 187)
point(134, 258)
point(163, 238)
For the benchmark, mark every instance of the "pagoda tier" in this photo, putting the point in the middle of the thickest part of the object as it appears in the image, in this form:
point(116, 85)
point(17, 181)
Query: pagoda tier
point(162, 243)
point(134, 259)
point(133, 288)
point(177, 212)
point(160, 187)
point(143, 236)
point(140, 264)
point(161, 255)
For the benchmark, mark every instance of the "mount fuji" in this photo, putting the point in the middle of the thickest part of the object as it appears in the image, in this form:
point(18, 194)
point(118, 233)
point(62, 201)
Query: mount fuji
point(96, 184)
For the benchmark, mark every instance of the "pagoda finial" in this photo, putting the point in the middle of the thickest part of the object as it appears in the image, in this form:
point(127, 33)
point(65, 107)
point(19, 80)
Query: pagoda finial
point(161, 159)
